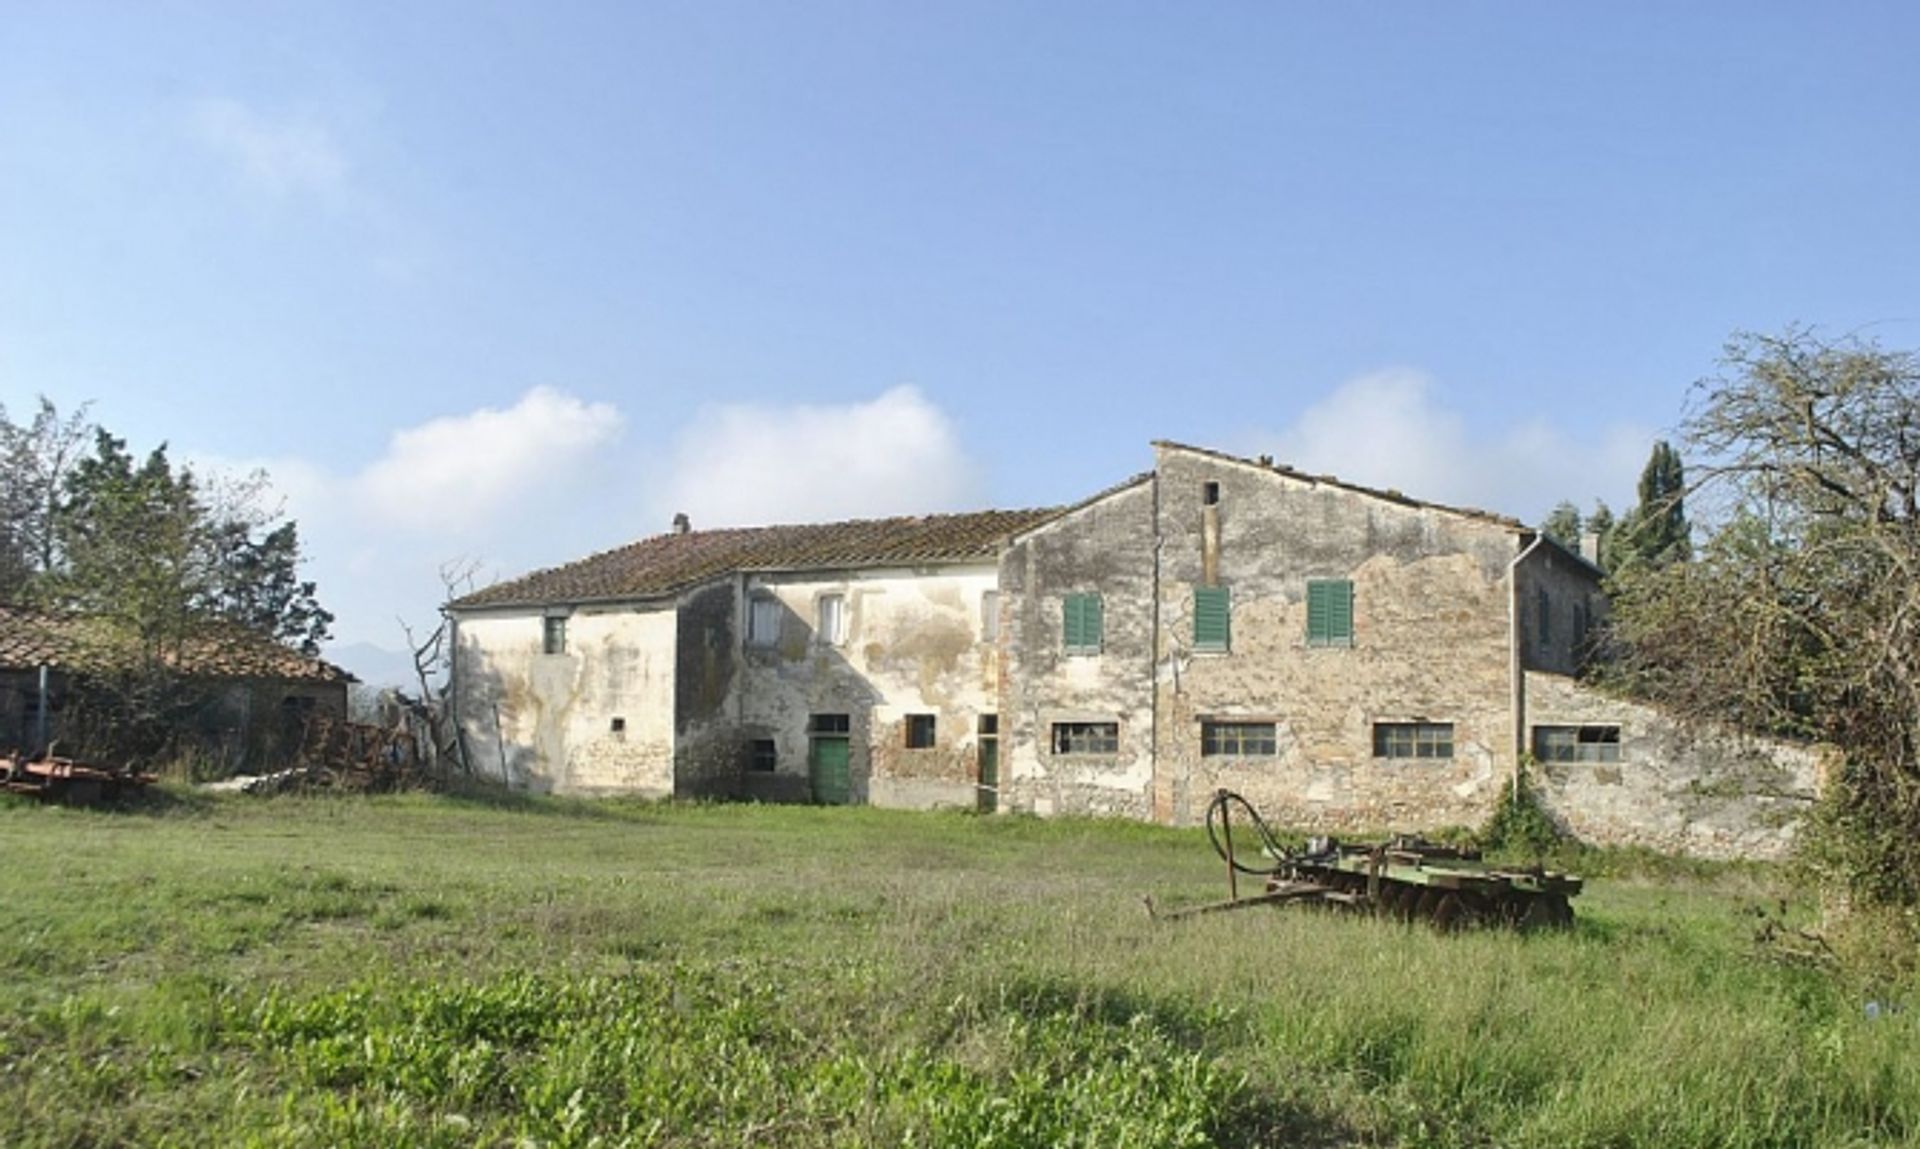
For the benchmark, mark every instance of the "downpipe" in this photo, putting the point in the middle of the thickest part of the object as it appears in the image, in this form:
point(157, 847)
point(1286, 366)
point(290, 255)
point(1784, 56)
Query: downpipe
point(1515, 670)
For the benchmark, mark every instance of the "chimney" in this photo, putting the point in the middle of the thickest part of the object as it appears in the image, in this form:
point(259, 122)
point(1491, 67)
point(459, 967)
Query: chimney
point(1590, 547)
point(681, 524)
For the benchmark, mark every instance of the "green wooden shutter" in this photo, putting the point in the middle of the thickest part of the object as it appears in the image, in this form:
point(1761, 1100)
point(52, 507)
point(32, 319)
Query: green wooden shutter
point(1211, 618)
point(1082, 630)
point(1342, 613)
point(1330, 612)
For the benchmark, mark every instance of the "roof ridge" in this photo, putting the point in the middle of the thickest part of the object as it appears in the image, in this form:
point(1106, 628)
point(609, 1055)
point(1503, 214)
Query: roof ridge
point(85, 640)
point(661, 564)
point(1390, 494)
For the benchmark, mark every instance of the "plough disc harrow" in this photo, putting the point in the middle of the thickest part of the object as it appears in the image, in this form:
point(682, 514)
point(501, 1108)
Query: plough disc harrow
point(1404, 878)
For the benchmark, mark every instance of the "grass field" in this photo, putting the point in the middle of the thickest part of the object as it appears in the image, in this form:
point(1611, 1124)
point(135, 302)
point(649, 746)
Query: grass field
point(446, 972)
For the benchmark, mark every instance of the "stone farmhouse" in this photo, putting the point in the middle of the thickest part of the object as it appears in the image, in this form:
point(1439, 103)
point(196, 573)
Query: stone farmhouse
point(1347, 658)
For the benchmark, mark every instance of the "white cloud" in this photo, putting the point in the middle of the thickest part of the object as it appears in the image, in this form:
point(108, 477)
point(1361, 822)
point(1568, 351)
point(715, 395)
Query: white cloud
point(510, 483)
point(278, 156)
point(461, 470)
point(536, 483)
point(1388, 429)
point(762, 463)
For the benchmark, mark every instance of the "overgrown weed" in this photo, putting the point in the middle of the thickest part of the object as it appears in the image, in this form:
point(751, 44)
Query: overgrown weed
point(421, 970)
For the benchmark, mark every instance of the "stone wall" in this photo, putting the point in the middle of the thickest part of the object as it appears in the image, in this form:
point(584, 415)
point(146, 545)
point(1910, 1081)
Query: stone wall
point(1562, 592)
point(234, 724)
point(1437, 609)
point(1429, 644)
point(1674, 788)
point(1104, 547)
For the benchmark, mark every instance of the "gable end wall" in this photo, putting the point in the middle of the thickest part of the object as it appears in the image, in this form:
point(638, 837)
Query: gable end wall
point(1429, 644)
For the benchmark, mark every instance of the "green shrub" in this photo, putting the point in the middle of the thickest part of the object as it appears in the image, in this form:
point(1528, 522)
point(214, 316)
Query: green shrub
point(1520, 825)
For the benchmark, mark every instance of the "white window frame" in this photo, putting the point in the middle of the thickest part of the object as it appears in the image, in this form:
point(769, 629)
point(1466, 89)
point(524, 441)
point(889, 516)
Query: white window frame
point(830, 619)
point(1083, 738)
point(763, 620)
point(1592, 743)
point(1239, 738)
point(1416, 741)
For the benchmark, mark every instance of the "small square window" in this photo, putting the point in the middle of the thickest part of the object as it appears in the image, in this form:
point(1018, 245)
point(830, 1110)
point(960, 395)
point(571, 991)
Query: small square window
point(832, 628)
point(553, 636)
point(762, 756)
point(989, 725)
point(763, 621)
point(919, 731)
point(1086, 738)
point(618, 727)
point(1210, 494)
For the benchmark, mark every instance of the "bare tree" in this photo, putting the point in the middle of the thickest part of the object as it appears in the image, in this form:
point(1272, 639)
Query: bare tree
point(431, 710)
point(1801, 611)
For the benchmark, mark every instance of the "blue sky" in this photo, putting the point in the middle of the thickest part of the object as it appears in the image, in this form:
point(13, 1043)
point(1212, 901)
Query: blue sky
point(516, 282)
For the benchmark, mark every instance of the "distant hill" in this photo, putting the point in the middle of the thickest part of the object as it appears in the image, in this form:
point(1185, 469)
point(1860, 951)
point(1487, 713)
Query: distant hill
point(376, 666)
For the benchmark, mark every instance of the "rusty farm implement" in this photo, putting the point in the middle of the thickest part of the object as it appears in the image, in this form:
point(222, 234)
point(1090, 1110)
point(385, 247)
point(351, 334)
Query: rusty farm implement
point(55, 779)
point(1404, 878)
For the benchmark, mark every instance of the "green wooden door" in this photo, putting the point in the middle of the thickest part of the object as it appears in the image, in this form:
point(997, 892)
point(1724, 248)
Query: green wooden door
point(828, 763)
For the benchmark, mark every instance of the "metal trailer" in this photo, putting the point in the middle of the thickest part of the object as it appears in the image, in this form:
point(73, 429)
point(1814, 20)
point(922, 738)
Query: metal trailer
point(65, 780)
point(1405, 878)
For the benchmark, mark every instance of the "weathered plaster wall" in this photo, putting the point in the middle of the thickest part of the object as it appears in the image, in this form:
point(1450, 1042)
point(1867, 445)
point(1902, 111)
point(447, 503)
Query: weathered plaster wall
point(707, 745)
point(1430, 643)
point(556, 712)
point(1677, 789)
point(1105, 547)
point(912, 645)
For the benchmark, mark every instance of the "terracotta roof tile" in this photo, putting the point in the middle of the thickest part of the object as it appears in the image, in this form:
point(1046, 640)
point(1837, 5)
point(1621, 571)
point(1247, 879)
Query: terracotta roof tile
point(665, 564)
point(83, 644)
point(1385, 494)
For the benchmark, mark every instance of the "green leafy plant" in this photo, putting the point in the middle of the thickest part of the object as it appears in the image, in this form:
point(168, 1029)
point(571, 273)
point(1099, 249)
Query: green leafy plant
point(1520, 824)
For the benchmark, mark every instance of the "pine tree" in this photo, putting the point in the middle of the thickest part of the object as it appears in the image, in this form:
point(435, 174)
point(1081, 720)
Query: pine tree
point(1655, 533)
point(1562, 525)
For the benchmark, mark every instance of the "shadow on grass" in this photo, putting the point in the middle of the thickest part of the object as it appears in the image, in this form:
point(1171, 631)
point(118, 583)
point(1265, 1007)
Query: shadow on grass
point(480, 793)
point(1261, 1112)
point(161, 800)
